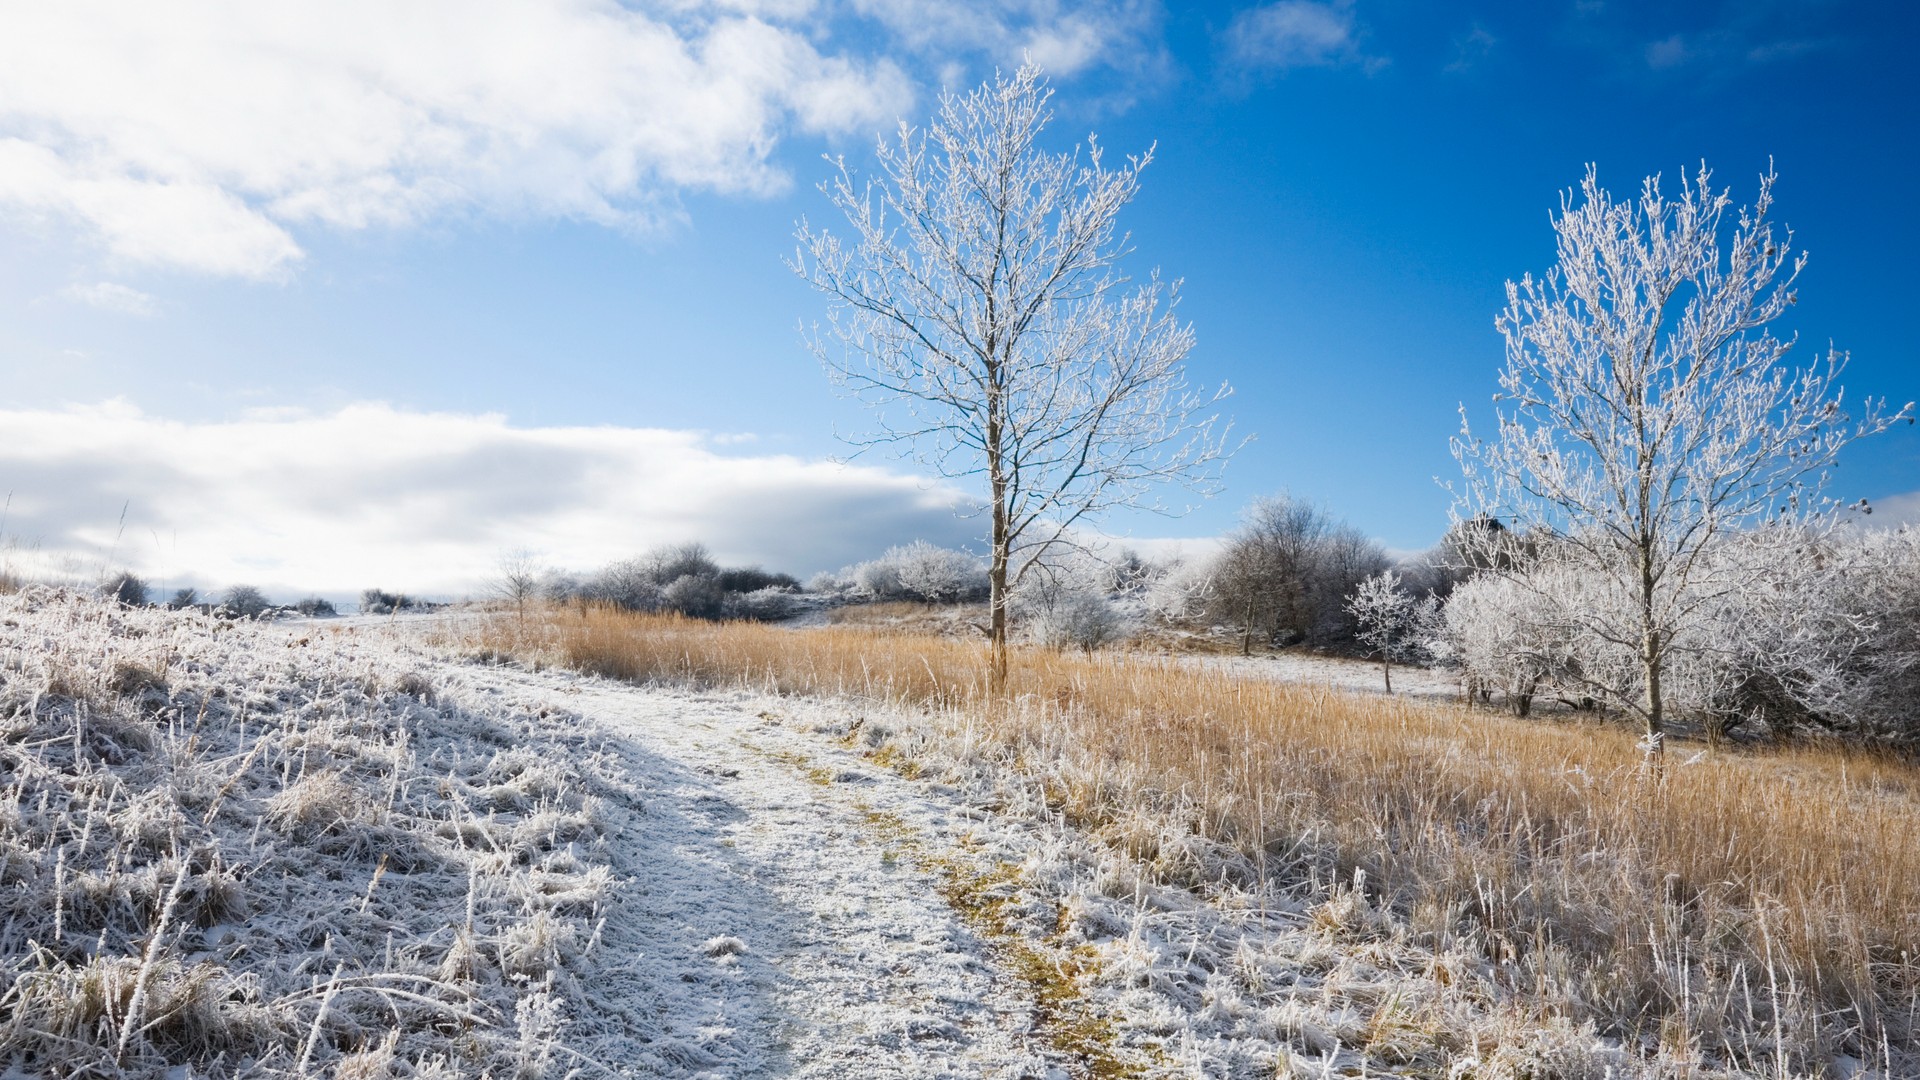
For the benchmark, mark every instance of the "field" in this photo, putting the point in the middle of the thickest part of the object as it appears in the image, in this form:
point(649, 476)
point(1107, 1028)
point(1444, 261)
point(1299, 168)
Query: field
point(1746, 911)
point(574, 842)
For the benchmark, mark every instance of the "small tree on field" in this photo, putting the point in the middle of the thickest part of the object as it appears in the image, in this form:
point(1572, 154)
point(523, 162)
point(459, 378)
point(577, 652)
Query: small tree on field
point(1649, 413)
point(980, 293)
point(517, 578)
point(1390, 621)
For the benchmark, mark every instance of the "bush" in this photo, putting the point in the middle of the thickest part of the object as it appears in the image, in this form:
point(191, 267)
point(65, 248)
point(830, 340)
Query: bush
point(380, 602)
point(1078, 619)
point(1068, 605)
point(747, 579)
point(627, 584)
point(315, 607)
point(682, 578)
point(1179, 590)
point(126, 588)
point(697, 596)
point(184, 598)
point(762, 605)
point(920, 571)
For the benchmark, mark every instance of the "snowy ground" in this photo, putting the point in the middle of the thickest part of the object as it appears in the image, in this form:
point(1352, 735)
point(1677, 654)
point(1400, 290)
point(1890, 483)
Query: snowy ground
point(827, 888)
point(1336, 672)
point(664, 882)
point(765, 917)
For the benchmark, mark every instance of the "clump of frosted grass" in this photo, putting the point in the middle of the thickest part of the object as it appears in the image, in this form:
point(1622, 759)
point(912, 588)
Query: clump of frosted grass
point(250, 853)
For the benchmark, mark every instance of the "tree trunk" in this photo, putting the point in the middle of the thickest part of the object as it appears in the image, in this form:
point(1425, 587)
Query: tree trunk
point(997, 627)
point(1651, 702)
point(1650, 661)
point(997, 572)
point(1246, 629)
point(1386, 669)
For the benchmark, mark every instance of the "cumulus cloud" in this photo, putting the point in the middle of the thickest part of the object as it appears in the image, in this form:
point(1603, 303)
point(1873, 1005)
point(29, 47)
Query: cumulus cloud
point(205, 135)
point(200, 135)
point(112, 296)
point(373, 495)
point(1296, 33)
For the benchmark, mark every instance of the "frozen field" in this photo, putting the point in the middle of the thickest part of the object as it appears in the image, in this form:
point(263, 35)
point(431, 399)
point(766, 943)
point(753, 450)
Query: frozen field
point(308, 849)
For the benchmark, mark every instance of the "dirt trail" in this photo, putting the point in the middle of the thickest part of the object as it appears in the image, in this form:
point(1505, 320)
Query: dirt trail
point(773, 930)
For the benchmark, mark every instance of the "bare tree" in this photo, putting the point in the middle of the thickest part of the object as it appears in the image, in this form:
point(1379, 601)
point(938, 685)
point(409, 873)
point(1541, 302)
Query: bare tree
point(517, 578)
point(1286, 572)
point(981, 293)
point(245, 601)
point(1649, 412)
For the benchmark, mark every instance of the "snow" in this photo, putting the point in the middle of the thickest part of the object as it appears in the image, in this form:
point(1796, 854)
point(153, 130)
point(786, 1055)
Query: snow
point(1335, 673)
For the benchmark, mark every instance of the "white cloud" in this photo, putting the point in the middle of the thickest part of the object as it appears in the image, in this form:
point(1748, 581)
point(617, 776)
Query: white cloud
point(1893, 511)
point(111, 296)
point(206, 135)
point(200, 135)
point(1296, 33)
point(371, 495)
point(1065, 38)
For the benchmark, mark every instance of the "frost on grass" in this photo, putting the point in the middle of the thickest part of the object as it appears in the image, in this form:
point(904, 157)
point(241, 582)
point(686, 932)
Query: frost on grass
point(256, 855)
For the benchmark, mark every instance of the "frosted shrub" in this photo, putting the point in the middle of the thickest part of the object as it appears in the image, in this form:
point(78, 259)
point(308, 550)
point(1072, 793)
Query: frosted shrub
point(1070, 607)
point(1390, 620)
point(771, 604)
point(1790, 628)
point(1502, 638)
point(627, 584)
point(378, 601)
point(1079, 619)
point(1179, 590)
point(682, 578)
point(878, 579)
point(697, 596)
point(920, 571)
point(828, 583)
point(939, 575)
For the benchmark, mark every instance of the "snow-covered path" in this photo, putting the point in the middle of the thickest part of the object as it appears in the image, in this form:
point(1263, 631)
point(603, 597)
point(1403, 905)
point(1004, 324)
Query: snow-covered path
point(772, 925)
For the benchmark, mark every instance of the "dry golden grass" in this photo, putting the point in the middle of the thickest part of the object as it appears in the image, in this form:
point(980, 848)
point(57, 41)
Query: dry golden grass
point(1758, 907)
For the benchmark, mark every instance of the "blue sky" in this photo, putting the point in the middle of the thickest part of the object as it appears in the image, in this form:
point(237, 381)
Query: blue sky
point(237, 223)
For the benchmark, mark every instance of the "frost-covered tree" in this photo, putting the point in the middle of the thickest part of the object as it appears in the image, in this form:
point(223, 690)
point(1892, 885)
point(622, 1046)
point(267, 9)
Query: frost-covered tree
point(979, 303)
point(1647, 411)
point(922, 571)
point(1070, 604)
point(1390, 620)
